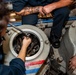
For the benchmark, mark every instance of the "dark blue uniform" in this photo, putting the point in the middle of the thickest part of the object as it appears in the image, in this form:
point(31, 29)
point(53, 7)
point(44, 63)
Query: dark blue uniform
point(16, 66)
point(60, 15)
point(20, 4)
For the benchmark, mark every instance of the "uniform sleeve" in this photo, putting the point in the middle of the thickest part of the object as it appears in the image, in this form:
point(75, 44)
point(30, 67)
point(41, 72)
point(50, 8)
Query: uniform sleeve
point(16, 67)
point(19, 4)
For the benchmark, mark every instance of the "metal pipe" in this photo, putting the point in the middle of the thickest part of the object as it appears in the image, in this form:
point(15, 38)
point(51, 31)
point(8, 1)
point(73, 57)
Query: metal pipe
point(18, 29)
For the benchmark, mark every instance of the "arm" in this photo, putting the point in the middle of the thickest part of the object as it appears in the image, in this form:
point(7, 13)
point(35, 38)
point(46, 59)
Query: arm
point(30, 10)
point(16, 66)
point(19, 7)
point(22, 52)
point(61, 3)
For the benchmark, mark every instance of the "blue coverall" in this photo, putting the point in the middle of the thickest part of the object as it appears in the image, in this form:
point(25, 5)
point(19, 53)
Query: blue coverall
point(16, 66)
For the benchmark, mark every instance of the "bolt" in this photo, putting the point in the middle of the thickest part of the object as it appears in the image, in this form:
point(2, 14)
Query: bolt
point(59, 59)
point(46, 42)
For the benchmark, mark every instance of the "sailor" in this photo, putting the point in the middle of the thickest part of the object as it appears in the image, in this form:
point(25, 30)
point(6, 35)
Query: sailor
point(29, 10)
point(16, 66)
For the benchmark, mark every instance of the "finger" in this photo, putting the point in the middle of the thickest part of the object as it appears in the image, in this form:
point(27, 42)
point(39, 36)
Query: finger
point(20, 39)
point(73, 67)
point(70, 67)
point(27, 38)
point(21, 12)
point(42, 13)
point(43, 10)
point(70, 63)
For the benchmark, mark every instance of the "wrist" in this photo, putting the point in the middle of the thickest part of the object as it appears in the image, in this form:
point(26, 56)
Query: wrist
point(24, 47)
point(52, 6)
point(36, 9)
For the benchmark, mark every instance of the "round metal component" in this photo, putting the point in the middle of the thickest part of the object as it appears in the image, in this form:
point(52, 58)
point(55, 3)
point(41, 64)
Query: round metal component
point(68, 46)
point(35, 47)
point(37, 51)
point(32, 49)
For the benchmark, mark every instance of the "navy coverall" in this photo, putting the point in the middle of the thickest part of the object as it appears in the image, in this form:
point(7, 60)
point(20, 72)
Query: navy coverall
point(16, 66)
point(60, 15)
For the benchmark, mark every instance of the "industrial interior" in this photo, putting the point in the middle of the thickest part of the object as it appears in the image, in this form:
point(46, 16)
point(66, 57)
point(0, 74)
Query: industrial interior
point(38, 61)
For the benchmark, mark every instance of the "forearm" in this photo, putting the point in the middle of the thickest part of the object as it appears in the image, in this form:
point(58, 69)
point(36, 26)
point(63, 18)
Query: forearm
point(22, 53)
point(61, 3)
point(28, 10)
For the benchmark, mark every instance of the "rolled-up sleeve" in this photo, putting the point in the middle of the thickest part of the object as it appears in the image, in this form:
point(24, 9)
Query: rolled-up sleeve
point(16, 67)
point(18, 4)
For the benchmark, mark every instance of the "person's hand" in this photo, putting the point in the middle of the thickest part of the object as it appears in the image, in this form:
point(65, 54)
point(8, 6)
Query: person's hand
point(72, 63)
point(26, 41)
point(40, 10)
point(48, 9)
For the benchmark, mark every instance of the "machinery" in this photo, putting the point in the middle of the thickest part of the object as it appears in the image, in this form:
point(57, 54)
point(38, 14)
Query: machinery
point(42, 58)
point(37, 52)
point(68, 46)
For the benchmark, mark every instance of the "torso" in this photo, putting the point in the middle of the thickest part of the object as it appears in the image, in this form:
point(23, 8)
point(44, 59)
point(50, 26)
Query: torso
point(1, 55)
point(39, 2)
